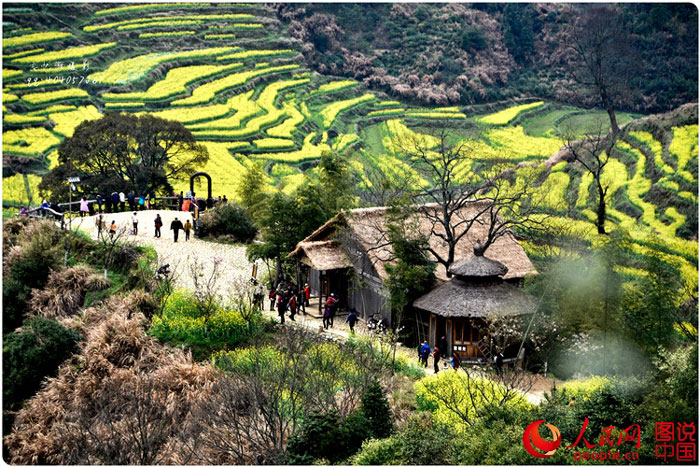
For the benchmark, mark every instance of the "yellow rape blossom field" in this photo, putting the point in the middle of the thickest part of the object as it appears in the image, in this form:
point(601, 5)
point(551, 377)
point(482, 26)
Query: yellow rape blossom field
point(506, 115)
point(33, 38)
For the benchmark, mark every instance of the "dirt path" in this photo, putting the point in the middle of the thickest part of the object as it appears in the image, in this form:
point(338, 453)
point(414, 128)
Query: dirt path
point(234, 264)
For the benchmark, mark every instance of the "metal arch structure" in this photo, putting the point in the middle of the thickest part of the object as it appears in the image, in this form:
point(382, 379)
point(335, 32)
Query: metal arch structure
point(205, 175)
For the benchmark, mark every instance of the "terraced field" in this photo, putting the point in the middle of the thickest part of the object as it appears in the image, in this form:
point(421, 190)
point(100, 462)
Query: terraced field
point(227, 72)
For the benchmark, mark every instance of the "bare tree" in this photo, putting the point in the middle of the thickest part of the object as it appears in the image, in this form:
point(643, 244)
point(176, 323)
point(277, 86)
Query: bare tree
point(593, 153)
point(111, 244)
point(242, 294)
point(601, 59)
point(466, 191)
point(206, 288)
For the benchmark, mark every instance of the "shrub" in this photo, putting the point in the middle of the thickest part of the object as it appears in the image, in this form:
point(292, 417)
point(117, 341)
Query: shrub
point(375, 409)
point(421, 442)
point(32, 354)
point(182, 323)
point(228, 220)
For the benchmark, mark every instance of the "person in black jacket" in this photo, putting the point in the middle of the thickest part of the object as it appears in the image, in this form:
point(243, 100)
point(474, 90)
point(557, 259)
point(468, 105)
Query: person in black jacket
point(176, 226)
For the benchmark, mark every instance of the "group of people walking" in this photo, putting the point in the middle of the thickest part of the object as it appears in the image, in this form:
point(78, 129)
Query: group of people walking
point(289, 300)
point(438, 352)
point(176, 225)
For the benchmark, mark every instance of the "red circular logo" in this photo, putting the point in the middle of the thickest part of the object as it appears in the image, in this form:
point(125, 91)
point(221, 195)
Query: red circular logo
point(532, 440)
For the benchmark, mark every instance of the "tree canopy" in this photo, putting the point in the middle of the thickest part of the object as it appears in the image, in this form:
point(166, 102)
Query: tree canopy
point(125, 152)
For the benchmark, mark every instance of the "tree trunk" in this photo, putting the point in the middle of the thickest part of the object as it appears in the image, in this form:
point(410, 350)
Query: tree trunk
point(600, 223)
point(611, 112)
point(278, 266)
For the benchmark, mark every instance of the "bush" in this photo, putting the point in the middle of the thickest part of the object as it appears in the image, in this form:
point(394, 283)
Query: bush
point(421, 442)
point(375, 409)
point(228, 220)
point(182, 323)
point(32, 354)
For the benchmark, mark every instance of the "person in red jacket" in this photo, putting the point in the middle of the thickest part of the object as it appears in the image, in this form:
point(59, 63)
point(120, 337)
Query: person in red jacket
point(307, 294)
point(332, 305)
point(436, 358)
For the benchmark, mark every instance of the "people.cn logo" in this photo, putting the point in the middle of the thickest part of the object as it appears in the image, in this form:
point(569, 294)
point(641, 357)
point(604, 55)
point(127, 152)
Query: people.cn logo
point(532, 440)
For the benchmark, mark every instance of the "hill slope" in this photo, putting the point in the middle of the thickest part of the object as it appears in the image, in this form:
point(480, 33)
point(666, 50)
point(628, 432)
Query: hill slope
point(234, 77)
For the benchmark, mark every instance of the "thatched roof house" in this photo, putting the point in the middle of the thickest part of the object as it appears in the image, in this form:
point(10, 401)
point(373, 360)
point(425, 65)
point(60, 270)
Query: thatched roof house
point(459, 307)
point(348, 253)
point(366, 229)
point(476, 291)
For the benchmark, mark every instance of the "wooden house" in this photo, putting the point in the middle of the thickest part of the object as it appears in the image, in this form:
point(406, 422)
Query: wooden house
point(347, 255)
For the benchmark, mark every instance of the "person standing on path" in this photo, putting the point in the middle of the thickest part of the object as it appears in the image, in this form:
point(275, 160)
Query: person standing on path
point(326, 317)
point(436, 359)
point(108, 203)
point(271, 295)
point(84, 209)
point(131, 197)
point(100, 223)
point(442, 344)
point(423, 353)
point(112, 230)
point(115, 201)
point(158, 223)
point(135, 223)
point(292, 305)
point(281, 306)
point(307, 294)
point(99, 202)
point(301, 296)
point(187, 227)
point(122, 202)
point(456, 360)
point(332, 304)
point(351, 320)
point(176, 226)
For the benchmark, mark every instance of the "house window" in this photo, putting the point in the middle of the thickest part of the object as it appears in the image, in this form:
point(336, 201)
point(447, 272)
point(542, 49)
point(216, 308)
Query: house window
point(465, 333)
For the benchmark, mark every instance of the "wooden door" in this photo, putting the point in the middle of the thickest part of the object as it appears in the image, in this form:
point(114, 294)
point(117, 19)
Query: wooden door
point(465, 338)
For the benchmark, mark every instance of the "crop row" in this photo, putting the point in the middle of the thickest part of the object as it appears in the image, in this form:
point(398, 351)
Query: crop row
point(29, 141)
point(34, 83)
point(507, 115)
point(656, 149)
point(18, 119)
point(207, 92)
point(197, 115)
point(398, 137)
point(142, 7)
point(24, 53)
point(132, 69)
point(67, 122)
point(222, 166)
point(14, 189)
point(386, 112)
point(219, 36)
point(255, 54)
point(174, 83)
point(7, 73)
point(117, 24)
point(147, 35)
point(683, 147)
point(285, 129)
point(233, 27)
point(34, 38)
point(159, 24)
point(331, 111)
point(436, 115)
point(53, 109)
point(307, 151)
point(122, 105)
point(512, 143)
point(273, 143)
point(244, 107)
point(44, 97)
point(65, 54)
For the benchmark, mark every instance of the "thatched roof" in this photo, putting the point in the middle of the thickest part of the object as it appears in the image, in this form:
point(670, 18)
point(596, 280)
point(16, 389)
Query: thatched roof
point(323, 255)
point(464, 299)
point(367, 229)
point(478, 266)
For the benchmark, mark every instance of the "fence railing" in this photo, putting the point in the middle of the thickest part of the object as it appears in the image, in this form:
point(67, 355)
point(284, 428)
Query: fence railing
point(160, 202)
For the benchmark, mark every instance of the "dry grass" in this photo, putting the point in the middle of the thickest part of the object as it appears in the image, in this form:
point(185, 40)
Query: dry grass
point(65, 291)
point(124, 383)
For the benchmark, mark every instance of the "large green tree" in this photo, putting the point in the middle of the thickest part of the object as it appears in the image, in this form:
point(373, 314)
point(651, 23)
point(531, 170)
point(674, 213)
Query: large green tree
point(124, 152)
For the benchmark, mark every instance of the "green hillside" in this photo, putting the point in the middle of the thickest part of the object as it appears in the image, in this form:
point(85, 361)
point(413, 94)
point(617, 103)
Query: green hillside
point(231, 75)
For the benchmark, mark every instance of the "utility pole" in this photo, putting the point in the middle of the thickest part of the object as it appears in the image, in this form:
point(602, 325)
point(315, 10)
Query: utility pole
point(72, 181)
